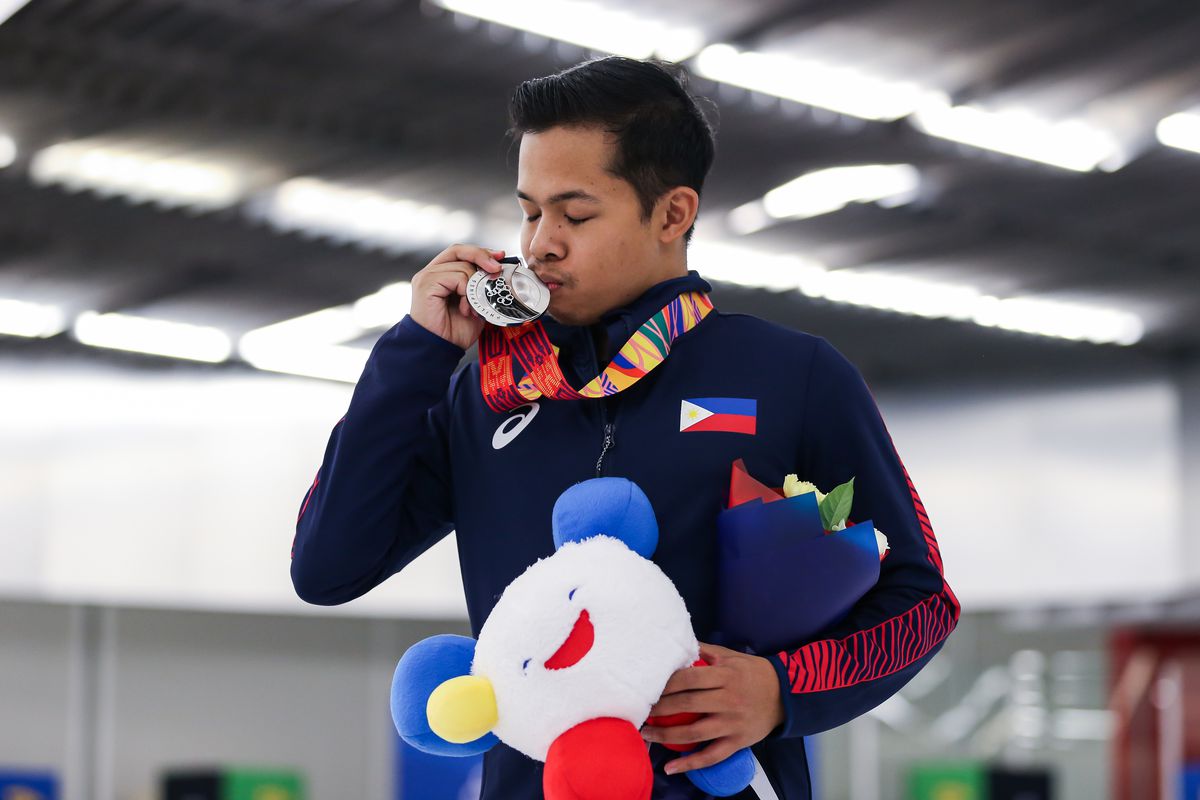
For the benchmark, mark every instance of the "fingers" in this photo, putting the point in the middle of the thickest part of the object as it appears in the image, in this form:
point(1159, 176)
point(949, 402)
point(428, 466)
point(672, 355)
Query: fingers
point(439, 290)
point(714, 753)
point(703, 729)
point(714, 654)
point(447, 274)
point(692, 678)
point(700, 701)
point(469, 254)
point(449, 279)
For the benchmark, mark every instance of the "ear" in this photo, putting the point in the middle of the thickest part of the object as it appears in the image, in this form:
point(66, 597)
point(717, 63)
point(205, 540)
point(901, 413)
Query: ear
point(675, 211)
point(613, 507)
point(425, 667)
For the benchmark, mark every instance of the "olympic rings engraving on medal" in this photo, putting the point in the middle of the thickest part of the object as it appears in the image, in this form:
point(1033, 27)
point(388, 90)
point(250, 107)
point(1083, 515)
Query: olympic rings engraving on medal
point(513, 297)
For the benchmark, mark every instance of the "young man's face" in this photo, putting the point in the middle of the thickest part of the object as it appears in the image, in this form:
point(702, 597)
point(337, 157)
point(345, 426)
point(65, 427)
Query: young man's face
point(583, 228)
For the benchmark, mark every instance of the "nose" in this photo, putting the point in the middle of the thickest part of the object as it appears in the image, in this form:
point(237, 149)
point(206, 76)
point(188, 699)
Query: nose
point(546, 244)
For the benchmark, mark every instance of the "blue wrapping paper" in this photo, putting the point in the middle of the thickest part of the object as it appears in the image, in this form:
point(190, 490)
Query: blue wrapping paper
point(781, 579)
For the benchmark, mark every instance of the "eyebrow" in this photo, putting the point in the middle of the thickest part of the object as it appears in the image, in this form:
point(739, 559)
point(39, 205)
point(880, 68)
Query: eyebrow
point(562, 197)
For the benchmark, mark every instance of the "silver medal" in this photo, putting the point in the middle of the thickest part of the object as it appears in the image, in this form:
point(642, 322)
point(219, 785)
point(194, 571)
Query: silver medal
point(513, 297)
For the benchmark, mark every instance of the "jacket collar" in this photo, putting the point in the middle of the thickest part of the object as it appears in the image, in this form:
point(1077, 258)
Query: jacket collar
point(620, 323)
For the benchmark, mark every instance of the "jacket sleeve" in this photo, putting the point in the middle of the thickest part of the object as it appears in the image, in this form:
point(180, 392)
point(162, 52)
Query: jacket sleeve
point(382, 495)
point(901, 623)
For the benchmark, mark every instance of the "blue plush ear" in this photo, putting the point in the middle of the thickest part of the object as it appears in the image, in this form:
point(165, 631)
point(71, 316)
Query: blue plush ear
point(423, 668)
point(612, 506)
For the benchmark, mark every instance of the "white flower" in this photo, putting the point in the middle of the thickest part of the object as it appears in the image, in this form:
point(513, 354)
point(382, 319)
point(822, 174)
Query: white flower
point(882, 542)
point(794, 487)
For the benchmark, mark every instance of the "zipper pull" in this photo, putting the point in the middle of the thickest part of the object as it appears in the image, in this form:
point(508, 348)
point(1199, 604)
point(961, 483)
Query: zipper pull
point(608, 442)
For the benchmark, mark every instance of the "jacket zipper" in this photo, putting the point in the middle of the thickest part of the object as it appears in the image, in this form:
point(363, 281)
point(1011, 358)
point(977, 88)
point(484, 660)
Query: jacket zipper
point(609, 441)
point(609, 424)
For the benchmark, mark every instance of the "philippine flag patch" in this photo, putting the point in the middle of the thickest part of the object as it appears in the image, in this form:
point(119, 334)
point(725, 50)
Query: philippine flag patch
point(729, 414)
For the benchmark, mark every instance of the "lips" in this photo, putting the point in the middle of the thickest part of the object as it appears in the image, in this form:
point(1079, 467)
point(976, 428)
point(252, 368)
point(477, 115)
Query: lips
point(577, 645)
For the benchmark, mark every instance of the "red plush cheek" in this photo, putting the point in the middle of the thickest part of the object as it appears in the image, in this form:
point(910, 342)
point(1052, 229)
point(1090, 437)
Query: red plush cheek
point(671, 720)
point(601, 759)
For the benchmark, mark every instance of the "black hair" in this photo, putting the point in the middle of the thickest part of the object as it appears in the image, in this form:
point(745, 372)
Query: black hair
point(663, 138)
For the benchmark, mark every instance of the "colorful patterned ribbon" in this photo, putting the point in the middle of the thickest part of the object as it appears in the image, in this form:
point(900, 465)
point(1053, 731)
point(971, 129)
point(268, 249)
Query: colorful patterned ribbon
point(646, 349)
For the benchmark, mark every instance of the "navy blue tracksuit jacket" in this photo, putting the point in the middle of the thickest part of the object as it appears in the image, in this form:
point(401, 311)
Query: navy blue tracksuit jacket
point(419, 454)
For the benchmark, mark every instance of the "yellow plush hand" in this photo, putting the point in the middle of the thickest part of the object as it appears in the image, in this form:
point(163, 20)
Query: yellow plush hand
point(462, 709)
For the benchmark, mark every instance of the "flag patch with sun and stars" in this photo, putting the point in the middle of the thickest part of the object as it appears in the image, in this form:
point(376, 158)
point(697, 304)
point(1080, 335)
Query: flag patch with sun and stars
point(728, 414)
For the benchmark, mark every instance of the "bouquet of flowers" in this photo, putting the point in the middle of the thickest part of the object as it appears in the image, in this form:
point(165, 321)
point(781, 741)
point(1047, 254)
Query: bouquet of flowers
point(790, 562)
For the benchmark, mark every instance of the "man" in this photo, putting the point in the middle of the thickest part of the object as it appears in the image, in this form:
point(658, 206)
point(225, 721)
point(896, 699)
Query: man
point(613, 155)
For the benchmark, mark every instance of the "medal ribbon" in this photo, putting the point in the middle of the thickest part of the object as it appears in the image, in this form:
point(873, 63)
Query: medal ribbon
point(646, 349)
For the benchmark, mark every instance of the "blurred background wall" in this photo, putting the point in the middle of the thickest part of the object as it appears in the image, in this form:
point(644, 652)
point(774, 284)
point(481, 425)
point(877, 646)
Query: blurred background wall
point(209, 210)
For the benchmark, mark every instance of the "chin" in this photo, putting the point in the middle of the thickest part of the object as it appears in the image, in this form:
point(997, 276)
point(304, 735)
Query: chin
point(571, 318)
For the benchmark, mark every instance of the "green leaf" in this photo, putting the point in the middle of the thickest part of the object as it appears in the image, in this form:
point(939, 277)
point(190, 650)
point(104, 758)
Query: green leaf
point(835, 508)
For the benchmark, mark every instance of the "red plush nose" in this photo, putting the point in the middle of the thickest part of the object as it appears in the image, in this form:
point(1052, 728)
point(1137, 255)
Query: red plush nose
point(577, 645)
point(601, 759)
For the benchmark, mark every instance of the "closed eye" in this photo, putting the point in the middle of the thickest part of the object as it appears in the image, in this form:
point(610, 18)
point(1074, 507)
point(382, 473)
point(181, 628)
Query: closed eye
point(571, 220)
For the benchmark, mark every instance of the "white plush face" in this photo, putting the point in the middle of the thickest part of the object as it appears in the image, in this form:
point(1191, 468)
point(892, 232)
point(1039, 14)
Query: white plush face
point(534, 646)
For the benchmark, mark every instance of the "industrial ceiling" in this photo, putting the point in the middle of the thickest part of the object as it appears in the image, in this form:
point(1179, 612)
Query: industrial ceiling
point(1045, 149)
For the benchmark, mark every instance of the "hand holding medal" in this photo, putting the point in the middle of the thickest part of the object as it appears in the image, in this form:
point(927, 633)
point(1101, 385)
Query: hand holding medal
point(440, 302)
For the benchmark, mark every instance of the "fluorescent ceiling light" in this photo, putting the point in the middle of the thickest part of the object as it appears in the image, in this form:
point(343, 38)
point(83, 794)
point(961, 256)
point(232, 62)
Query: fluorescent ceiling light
point(155, 336)
point(1069, 144)
point(8, 151)
point(1060, 319)
point(901, 294)
point(347, 213)
point(830, 189)
point(338, 324)
point(841, 88)
point(914, 296)
point(312, 345)
point(330, 362)
point(327, 326)
point(1181, 130)
point(384, 308)
point(588, 24)
point(746, 267)
point(10, 7)
point(140, 173)
point(308, 345)
point(825, 191)
point(21, 318)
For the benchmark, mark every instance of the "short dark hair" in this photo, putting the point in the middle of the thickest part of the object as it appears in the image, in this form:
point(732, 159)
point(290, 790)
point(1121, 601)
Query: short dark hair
point(663, 138)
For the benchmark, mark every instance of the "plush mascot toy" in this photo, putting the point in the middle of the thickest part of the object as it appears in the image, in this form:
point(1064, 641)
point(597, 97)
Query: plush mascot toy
point(570, 661)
